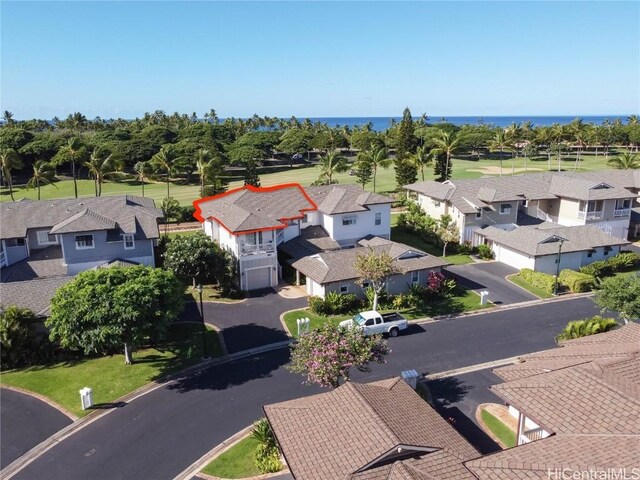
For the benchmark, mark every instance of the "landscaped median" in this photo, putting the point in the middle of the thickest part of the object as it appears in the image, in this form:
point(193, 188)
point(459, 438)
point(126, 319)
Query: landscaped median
point(108, 376)
point(462, 301)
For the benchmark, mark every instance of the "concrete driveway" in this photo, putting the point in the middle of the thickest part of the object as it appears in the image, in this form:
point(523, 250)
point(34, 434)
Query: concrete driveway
point(26, 421)
point(490, 276)
point(251, 323)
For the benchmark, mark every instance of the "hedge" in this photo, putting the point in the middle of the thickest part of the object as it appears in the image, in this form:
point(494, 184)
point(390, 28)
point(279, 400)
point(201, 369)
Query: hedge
point(540, 280)
point(622, 262)
point(577, 282)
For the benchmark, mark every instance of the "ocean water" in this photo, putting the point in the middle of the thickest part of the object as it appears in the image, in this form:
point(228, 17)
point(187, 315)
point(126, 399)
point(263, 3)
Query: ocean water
point(382, 123)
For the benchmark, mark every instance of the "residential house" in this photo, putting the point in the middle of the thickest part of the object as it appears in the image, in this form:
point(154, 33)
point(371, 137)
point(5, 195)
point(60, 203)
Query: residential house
point(374, 431)
point(602, 199)
point(540, 247)
point(253, 223)
point(578, 410)
point(334, 270)
point(44, 243)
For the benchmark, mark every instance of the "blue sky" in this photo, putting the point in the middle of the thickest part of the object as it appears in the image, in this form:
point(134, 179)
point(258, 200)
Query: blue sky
point(320, 58)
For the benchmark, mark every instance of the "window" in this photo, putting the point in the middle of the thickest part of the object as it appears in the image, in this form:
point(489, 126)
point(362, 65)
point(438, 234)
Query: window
point(607, 250)
point(365, 285)
point(415, 277)
point(254, 238)
point(622, 203)
point(436, 203)
point(344, 288)
point(45, 239)
point(305, 219)
point(590, 253)
point(20, 242)
point(349, 220)
point(378, 220)
point(369, 322)
point(505, 208)
point(129, 242)
point(478, 213)
point(83, 242)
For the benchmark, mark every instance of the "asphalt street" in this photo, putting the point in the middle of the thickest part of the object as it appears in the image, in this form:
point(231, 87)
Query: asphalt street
point(490, 276)
point(25, 422)
point(159, 434)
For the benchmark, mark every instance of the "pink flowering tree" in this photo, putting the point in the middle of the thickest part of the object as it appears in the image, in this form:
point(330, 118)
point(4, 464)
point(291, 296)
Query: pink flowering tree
point(327, 355)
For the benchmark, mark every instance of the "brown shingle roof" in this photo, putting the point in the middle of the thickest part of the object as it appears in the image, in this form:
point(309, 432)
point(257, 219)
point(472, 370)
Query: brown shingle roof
point(336, 434)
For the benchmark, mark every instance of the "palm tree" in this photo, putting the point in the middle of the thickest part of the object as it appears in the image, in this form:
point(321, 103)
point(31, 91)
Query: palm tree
point(421, 159)
point(43, 174)
point(498, 144)
point(332, 163)
point(7, 116)
point(73, 151)
point(632, 120)
point(203, 167)
point(625, 161)
point(9, 160)
point(166, 160)
point(378, 156)
point(447, 144)
point(143, 170)
point(102, 165)
point(558, 133)
point(543, 137)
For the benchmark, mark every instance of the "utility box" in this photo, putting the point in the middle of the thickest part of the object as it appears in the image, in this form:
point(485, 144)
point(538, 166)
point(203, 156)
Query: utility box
point(484, 297)
point(411, 377)
point(86, 398)
point(303, 325)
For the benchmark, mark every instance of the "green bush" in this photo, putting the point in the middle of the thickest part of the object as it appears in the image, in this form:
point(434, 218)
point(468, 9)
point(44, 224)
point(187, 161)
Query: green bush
point(465, 248)
point(540, 280)
point(577, 282)
point(599, 268)
point(16, 338)
point(404, 300)
point(585, 327)
point(484, 252)
point(624, 261)
point(334, 303)
point(267, 455)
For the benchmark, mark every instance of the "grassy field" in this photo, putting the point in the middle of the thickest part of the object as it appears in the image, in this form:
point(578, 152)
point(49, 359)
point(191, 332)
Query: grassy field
point(385, 180)
point(499, 429)
point(538, 292)
point(109, 377)
point(237, 462)
point(414, 241)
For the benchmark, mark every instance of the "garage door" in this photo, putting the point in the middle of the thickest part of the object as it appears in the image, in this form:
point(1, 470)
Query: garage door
point(259, 278)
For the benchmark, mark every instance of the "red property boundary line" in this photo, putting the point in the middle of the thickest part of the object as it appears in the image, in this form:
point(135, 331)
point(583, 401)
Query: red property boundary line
point(251, 188)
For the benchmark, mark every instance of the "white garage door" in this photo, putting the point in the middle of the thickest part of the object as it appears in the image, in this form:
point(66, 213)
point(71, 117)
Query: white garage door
point(259, 278)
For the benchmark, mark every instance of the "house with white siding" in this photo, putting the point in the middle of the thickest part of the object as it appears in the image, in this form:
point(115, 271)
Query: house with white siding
point(256, 223)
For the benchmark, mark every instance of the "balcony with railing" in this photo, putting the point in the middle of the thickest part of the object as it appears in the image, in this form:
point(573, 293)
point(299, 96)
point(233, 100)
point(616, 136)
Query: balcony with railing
point(532, 435)
point(583, 215)
point(622, 212)
point(258, 249)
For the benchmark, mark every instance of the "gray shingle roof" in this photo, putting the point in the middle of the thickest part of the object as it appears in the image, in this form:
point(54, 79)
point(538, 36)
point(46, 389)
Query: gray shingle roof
point(334, 199)
point(313, 239)
point(131, 214)
point(336, 266)
point(537, 240)
point(35, 294)
point(45, 262)
point(251, 208)
point(466, 195)
point(333, 435)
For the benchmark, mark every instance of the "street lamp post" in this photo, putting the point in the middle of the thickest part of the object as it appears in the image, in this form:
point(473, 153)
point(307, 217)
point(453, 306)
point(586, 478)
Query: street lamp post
point(555, 288)
point(204, 326)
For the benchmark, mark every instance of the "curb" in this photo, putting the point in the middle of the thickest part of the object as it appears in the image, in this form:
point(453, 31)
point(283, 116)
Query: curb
point(43, 399)
point(18, 464)
point(473, 368)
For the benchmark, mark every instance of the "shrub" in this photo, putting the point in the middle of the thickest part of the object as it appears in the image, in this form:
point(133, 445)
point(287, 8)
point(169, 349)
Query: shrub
point(585, 327)
point(484, 252)
point(624, 261)
point(334, 303)
point(267, 455)
point(15, 336)
point(577, 282)
point(599, 268)
point(465, 248)
point(540, 280)
point(439, 286)
point(403, 300)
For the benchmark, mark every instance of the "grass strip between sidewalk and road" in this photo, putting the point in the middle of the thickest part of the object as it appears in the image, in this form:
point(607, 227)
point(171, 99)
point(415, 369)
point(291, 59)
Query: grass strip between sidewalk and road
point(108, 376)
point(236, 462)
point(499, 429)
point(519, 281)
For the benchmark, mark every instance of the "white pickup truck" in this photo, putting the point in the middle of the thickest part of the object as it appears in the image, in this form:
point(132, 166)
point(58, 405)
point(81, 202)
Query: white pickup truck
point(375, 323)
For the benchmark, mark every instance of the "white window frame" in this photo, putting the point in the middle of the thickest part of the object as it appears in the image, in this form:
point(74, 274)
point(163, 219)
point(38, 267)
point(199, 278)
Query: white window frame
point(624, 201)
point(507, 210)
point(349, 220)
point(41, 233)
point(129, 236)
point(415, 277)
point(478, 213)
point(343, 286)
point(378, 218)
point(85, 247)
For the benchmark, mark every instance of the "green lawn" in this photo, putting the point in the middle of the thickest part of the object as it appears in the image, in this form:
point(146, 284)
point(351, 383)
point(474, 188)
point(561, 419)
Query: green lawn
point(415, 241)
point(109, 377)
point(210, 293)
point(499, 429)
point(237, 462)
point(462, 302)
point(538, 292)
point(385, 180)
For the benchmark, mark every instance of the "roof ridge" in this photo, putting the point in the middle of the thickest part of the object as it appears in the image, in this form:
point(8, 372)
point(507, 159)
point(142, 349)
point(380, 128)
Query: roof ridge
point(601, 380)
point(381, 420)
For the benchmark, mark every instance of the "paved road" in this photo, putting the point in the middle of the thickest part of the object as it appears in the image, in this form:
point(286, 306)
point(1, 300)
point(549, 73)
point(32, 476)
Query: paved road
point(490, 276)
point(248, 324)
point(26, 421)
point(160, 434)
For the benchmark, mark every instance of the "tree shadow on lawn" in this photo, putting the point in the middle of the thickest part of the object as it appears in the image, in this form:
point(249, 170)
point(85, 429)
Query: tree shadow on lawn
point(241, 371)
